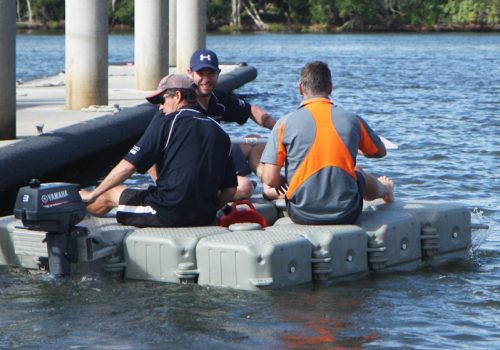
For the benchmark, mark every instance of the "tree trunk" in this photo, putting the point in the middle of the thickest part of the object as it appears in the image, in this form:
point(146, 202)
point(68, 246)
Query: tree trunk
point(236, 13)
point(18, 10)
point(112, 14)
point(30, 13)
point(254, 15)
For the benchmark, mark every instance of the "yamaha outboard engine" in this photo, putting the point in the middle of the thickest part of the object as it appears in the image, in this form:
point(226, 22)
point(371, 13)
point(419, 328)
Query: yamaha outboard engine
point(55, 208)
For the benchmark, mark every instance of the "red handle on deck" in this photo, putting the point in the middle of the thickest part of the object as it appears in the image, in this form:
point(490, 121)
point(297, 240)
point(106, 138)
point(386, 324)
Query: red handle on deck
point(242, 215)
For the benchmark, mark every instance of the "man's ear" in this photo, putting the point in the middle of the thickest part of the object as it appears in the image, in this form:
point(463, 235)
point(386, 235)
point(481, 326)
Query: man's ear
point(330, 89)
point(178, 95)
point(301, 91)
point(189, 71)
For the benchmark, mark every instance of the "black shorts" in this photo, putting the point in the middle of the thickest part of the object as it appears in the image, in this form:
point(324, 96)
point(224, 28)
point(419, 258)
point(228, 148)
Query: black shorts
point(239, 161)
point(133, 210)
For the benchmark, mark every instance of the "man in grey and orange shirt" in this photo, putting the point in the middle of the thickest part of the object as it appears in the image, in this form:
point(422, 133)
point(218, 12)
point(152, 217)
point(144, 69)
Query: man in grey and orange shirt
point(318, 145)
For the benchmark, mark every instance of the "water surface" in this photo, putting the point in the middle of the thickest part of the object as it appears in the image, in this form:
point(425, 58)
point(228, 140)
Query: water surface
point(435, 95)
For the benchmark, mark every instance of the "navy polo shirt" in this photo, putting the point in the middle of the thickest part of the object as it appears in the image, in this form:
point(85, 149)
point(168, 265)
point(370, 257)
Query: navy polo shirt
point(228, 108)
point(192, 154)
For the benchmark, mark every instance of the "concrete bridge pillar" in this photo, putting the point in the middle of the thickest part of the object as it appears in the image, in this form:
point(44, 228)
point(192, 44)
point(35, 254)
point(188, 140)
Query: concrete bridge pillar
point(151, 42)
point(86, 53)
point(7, 69)
point(191, 30)
point(172, 33)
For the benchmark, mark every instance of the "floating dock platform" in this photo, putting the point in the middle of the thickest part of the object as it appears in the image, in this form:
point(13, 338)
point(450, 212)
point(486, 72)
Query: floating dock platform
point(400, 236)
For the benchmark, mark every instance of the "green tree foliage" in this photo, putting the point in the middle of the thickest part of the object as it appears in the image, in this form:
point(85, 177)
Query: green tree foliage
point(322, 12)
point(218, 13)
point(47, 10)
point(121, 12)
point(472, 11)
point(329, 14)
point(361, 10)
point(298, 11)
point(416, 12)
point(42, 11)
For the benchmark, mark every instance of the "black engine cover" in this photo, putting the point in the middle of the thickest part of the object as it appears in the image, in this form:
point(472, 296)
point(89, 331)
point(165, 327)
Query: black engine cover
point(51, 207)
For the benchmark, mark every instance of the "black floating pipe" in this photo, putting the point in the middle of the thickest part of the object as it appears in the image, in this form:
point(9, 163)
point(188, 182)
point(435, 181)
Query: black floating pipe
point(236, 78)
point(35, 156)
point(26, 159)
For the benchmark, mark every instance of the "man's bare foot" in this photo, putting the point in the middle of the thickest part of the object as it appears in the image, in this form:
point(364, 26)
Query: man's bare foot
point(388, 192)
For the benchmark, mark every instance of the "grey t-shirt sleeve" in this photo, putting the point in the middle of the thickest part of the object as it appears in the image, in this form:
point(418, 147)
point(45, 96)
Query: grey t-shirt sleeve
point(373, 141)
point(270, 154)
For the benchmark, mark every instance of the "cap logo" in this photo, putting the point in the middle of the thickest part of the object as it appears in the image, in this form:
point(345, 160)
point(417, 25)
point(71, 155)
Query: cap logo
point(205, 57)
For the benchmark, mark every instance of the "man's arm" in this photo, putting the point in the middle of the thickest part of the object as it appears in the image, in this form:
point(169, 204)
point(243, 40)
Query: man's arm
point(371, 146)
point(271, 175)
point(382, 151)
point(120, 173)
point(226, 195)
point(153, 173)
point(261, 117)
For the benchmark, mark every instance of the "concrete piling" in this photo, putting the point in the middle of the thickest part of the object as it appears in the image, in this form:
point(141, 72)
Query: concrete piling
point(172, 32)
point(191, 30)
point(160, 40)
point(86, 53)
point(7, 69)
point(151, 42)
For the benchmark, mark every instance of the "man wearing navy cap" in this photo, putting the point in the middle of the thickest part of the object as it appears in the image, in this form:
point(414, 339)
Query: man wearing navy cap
point(204, 70)
point(194, 176)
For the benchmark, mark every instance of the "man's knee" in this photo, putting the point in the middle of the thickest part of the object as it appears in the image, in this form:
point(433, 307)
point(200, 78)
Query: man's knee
point(106, 201)
point(255, 155)
point(245, 149)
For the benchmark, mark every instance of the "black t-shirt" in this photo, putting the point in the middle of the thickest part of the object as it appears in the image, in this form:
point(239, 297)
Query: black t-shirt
point(228, 108)
point(192, 154)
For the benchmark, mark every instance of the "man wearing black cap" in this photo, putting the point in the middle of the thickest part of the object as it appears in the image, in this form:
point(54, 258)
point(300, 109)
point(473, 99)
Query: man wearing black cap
point(204, 70)
point(195, 173)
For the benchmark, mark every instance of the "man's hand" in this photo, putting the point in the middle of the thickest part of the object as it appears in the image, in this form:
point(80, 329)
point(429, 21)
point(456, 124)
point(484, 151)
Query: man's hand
point(282, 187)
point(272, 193)
point(87, 197)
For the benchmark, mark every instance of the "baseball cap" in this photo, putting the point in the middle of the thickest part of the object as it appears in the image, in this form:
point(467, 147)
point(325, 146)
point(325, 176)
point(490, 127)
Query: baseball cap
point(204, 59)
point(171, 81)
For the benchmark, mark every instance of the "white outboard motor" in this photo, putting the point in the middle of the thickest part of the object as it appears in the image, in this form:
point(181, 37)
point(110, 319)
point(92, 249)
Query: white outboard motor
point(55, 208)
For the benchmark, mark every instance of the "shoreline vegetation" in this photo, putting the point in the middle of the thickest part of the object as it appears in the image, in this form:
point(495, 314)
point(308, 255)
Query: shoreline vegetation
point(296, 16)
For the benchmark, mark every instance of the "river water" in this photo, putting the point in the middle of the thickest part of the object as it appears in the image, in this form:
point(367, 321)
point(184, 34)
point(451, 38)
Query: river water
point(435, 95)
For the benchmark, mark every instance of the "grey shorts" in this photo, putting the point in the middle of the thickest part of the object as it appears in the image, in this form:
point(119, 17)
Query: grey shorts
point(361, 185)
point(351, 216)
